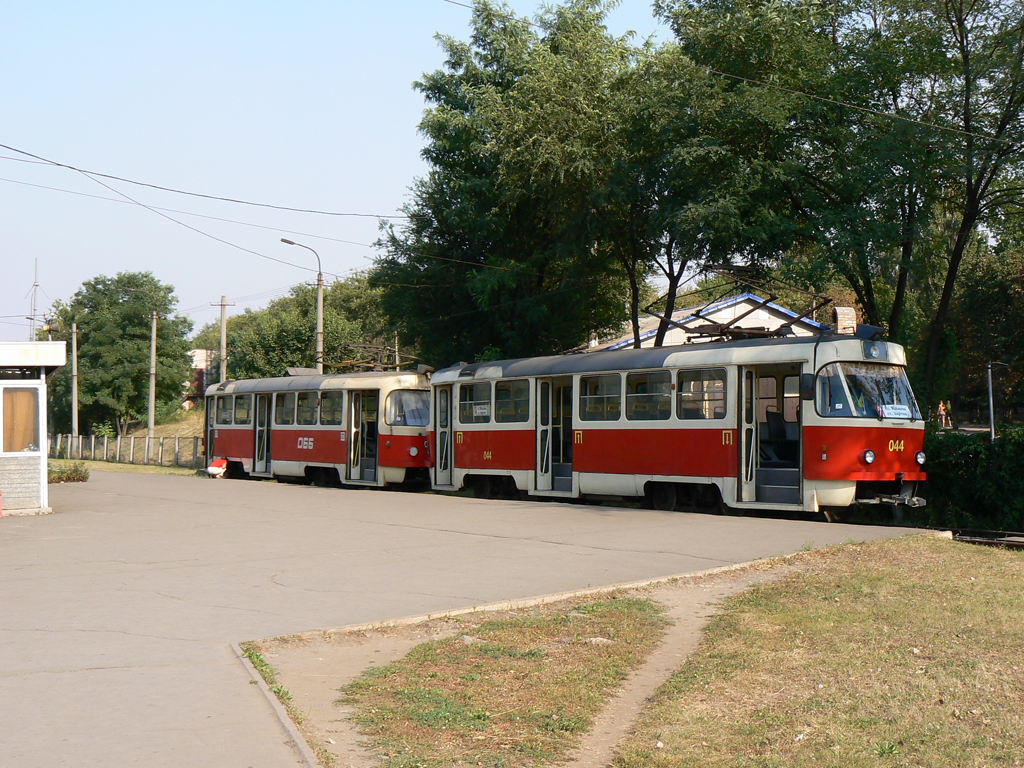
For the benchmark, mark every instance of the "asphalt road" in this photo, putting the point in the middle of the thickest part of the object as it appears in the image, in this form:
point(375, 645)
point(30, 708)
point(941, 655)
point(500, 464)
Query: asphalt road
point(118, 611)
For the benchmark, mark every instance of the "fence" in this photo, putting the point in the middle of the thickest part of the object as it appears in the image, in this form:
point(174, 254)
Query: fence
point(161, 451)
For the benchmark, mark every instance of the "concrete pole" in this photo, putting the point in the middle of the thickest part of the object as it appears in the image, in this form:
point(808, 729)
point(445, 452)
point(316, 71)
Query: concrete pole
point(74, 379)
point(991, 410)
point(223, 338)
point(152, 380)
point(319, 322)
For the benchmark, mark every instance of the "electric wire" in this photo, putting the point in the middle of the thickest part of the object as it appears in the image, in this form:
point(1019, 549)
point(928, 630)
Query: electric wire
point(112, 177)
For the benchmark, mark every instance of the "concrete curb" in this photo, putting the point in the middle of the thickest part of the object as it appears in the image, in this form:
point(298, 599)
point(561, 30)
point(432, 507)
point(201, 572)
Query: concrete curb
point(503, 605)
point(303, 748)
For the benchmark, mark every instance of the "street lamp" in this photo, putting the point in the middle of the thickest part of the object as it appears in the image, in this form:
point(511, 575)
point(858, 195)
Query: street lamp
point(319, 305)
point(991, 411)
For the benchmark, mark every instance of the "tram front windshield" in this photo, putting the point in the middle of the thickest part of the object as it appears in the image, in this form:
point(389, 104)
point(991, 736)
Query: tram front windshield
point(408, 408)
point(865, 390)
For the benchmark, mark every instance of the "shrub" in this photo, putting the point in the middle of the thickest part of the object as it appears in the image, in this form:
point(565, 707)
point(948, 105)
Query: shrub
point(973, 483)
point(73, 472)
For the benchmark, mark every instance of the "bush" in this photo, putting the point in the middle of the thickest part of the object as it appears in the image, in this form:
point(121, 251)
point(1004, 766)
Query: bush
point(73, 472)
point(973, 483)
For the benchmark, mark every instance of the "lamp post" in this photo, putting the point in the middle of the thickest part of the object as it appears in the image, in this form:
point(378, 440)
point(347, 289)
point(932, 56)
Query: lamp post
point(319, 305)
point(991, 410)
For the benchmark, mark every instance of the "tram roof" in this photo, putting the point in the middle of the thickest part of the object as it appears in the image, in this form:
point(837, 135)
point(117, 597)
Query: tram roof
point(700, 354)
point(306, 382)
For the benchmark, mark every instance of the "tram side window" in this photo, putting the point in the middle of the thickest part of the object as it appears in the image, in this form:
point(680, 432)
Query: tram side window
point(284, 408)
point(224, 409)
point(832, 400)
point(791, 398)
point(648, 396)
point(701, 394)
point(243, 409)
point(512, 401)
point(475, 403)
point(767, 397)
point(407, 408)
point(332, 408)
point(600, 397)
point(306, 408)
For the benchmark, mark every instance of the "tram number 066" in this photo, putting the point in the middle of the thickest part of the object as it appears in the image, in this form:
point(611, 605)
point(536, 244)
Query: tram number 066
point(306, 443)
point(895, 446)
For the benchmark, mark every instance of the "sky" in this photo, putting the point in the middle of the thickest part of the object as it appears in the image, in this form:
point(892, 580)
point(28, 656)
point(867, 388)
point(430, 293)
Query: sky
point(303, 104)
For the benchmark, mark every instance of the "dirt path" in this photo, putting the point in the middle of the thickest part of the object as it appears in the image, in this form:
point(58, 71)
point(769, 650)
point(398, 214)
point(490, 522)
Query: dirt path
point(314, 667)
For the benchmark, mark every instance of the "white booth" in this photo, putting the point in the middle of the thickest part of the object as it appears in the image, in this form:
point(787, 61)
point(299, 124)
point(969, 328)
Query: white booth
point(23, 370)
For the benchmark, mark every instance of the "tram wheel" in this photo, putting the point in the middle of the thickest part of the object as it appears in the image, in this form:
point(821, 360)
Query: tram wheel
point(662, 496)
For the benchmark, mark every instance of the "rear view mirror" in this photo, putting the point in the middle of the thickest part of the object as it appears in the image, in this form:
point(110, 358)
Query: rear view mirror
point(806, 386)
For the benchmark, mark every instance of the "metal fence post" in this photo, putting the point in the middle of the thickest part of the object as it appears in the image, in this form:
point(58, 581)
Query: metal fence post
point(195, 452)
point(117, 450)
point(131, 450)
point(105, 447)
point(160, 453)
point(92, 447)
point(177, 450)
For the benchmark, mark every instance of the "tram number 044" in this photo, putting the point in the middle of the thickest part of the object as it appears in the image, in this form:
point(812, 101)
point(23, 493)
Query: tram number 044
point(896, 446)
point(306, 443)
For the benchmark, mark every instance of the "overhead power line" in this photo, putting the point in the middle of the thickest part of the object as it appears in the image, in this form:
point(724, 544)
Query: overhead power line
point(112, 177)
point(186, 213)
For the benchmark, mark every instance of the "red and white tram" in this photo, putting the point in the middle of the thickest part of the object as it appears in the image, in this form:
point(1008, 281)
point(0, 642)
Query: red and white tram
point(797, 423)
point(360, 428)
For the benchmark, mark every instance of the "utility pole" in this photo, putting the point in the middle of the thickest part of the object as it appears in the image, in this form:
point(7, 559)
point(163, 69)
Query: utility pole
point(223, 336)
point(74, 379)
point(398, 361)
point(35, 291)
point(152, 381)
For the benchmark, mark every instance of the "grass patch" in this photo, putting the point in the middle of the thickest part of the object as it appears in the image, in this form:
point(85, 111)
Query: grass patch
point(515, 692)
point(896, 653)
point(111, 466)
point(66, 471)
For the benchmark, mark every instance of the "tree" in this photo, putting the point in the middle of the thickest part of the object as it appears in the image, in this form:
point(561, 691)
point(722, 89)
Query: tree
point(114, 330)
point(265, 342)
point(501, 255)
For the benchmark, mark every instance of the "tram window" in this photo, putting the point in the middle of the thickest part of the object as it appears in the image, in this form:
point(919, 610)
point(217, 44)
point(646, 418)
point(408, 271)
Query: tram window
point(648, 396)
point(407, 408)
point(512, 401)
point(832, 400)
point(284, 408)
point(701, 394)
point(767, 397)
point(224, 409)
point(791, 398)
point(306, 408)
point(331, 407)
point(600, 397)
point(243, 409)
point(475, 403)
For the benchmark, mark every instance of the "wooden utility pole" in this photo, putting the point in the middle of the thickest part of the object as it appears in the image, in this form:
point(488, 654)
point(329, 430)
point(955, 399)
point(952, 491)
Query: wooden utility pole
point(74, 379)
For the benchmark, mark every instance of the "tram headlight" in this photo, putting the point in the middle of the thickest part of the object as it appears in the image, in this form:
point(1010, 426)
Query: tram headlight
point(413, 450)
point(869, 457)
point(919, 457)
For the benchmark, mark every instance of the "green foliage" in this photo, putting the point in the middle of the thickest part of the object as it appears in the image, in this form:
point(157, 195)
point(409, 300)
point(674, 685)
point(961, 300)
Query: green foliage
point(265, 342)
point(973, 483)
point(501, 250)
point(114, 328)
point(67, 472)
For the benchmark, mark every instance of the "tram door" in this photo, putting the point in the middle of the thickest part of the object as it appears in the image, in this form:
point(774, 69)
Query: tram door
point(261, 449)
point(443, 427)
point(554, 434)
point(362, 460)
point(748, 438)
point(544, 440)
